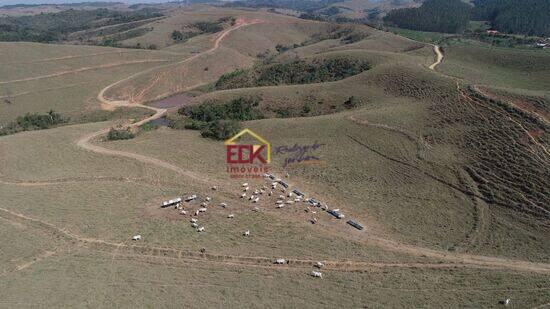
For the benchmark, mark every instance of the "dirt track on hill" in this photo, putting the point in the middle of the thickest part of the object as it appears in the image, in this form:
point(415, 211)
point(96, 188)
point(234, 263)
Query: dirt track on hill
point(439, 57)
point(103, 66)
point(85, 142)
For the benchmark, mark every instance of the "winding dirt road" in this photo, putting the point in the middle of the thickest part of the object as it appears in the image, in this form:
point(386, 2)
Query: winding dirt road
point(439, 56)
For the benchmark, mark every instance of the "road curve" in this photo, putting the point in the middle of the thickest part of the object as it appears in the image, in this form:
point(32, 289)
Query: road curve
point(439, 56)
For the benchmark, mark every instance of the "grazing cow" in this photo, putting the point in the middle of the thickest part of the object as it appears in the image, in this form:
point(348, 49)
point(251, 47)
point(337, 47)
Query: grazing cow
point(319, 264)
point(215, 188)
point(202, 209)
point(245, 184)
point(280, 205)
point(200, 229)
point(313, 221)
point(223, 205)
point(136, 237)
point(280, 261)
point(208, 198)
point(231, 216)
point(290, 202)
point(243, 195)
point(270, 193)
point(246, 233)
point(183, 212)
point(256, 200)
point(194, 225)
point(246, 188)
point(317, 274)
point(256, 209)
point(196, 213)
point(194, 220)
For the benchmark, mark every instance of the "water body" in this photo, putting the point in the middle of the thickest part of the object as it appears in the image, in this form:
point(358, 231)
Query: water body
point(175, 101)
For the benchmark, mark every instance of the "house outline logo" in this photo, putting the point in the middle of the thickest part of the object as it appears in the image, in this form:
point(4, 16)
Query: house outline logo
point(232, 141)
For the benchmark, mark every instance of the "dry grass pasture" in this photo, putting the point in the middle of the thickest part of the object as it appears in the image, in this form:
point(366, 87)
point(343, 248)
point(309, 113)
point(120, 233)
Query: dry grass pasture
point(448, 176)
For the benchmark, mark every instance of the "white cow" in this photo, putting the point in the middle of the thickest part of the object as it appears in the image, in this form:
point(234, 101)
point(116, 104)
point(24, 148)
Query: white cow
point(215, 188)
point(280, 261)
point(246, 233)
point(319, 264)
point(136, 237)
point(208, 198)
point(200, 229)
point(243, 195)
point(202, 209)
point(194, 220)
point(183, 212)
point(231, 216)
point(245, 184)
point(317, 274)
point(194, 225)
point(223, 205)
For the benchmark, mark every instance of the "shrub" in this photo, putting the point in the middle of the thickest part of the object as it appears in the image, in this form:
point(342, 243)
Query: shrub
point(120, 134)
point(351, 102)
point(221, 129)
point(33, 122)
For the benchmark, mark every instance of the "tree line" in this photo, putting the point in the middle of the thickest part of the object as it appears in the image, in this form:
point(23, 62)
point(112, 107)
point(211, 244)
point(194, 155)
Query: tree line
point(529, 17)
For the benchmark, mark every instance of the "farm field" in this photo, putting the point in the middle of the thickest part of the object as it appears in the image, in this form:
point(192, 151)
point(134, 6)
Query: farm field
point(442, 158)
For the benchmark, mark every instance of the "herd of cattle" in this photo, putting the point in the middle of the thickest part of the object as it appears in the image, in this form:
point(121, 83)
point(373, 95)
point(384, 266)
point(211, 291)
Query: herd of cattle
point(285, 198)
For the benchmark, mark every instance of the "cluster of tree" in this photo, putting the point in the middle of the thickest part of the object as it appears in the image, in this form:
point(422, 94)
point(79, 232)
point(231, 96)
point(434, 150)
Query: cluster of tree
point(294, 72)
point(220, 120)
point(203, 27)
point(33, 122)
point(180, 37)
point(52, 27)
point(120, 134)
point(214, 26)
point(530, 17)
point(451, 16)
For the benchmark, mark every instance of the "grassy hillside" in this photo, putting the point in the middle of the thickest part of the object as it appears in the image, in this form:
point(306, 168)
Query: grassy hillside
point(446, 169)
point(502, 67)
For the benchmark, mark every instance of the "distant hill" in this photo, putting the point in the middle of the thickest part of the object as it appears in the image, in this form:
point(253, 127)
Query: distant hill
point(451, 16)
point(531, 17)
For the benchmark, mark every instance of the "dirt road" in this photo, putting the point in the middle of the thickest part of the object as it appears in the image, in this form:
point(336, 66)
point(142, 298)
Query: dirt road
point(439, 57)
